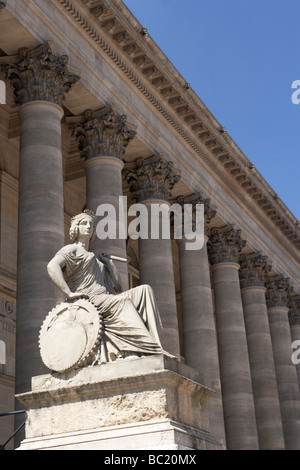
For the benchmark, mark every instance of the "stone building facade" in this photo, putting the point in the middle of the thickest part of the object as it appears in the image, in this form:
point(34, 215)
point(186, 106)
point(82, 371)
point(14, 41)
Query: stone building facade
point(95, 111)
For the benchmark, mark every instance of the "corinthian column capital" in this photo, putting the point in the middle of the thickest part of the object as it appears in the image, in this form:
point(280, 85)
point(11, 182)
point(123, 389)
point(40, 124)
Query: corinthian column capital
point(197, 198)
point(39, 74)
point(253, 270)
point(151, 178)
point(294, 312)
point(278, 290)
point(225, 244)
point(101, 133)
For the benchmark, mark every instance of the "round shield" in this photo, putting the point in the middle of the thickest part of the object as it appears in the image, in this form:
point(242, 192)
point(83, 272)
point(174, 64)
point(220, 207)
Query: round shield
point(70, 335)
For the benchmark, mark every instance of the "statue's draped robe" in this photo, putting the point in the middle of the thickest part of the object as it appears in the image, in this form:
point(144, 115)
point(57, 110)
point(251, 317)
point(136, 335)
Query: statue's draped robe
point(131, 319)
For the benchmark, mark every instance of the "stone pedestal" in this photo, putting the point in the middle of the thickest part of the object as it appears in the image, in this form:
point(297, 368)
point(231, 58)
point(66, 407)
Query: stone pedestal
point(152, 402)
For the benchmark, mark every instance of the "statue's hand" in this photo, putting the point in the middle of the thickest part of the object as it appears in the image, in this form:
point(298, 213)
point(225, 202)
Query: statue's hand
point(77, 295)
point(104, 257)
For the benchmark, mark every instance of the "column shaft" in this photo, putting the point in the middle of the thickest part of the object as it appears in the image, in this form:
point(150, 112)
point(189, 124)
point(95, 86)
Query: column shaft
point(40, 230)
point(266, 400)
point(104, 186)
point(295, 336)
point(277, 295)
point(239, 413)
point(156, 269)
point(286, 376)
point(199, 331)
point(294, 319)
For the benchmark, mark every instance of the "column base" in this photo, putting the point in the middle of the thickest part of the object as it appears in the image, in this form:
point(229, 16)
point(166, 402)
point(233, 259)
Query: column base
point(152, 403)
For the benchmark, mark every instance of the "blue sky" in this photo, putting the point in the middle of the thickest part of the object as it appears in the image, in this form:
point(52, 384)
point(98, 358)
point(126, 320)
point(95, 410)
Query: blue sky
point(240, 57)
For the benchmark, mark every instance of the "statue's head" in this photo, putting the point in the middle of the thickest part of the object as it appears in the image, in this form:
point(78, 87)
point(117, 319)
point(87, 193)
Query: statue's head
point(75, 221)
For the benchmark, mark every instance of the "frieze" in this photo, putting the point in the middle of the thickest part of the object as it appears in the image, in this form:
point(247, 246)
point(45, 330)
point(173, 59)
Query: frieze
point(7, 327)
point(7, 308)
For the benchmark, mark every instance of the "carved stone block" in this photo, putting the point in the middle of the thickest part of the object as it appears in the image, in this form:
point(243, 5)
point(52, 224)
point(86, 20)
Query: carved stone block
point(147, 403)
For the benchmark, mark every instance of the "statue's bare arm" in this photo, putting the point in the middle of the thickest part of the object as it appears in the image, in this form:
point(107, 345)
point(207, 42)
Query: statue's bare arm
point(55, 271)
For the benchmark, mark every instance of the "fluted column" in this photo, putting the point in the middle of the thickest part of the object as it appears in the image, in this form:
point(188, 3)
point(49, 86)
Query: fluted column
point(40, 78)
point(102, 137)
point(224, 246)
point(294, 319)
point(150, 182)
point(199, 330)
point(253, 274)
point(277, 295)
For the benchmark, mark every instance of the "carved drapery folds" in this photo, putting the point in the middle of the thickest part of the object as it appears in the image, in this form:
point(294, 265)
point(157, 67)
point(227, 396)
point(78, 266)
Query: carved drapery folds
point(101, 133)
point(39, 74)
point(151, 178)
point(294, 312)
point(278, 291)
point(225, 244)
point(254, 269)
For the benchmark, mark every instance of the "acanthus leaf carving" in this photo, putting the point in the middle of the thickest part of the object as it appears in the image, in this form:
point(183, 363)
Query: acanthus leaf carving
point(152, 178)
point(254, 269)
point(40, 74)
point(278, 291)
point(225, 244)
point(294, 312)
point(194, 199)
point(101, 133)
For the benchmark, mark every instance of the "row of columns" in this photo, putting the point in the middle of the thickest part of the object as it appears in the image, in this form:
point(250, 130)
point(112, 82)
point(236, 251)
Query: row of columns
point(240, 338)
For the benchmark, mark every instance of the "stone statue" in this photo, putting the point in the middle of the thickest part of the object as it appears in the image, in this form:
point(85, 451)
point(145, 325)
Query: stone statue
point(97, 323)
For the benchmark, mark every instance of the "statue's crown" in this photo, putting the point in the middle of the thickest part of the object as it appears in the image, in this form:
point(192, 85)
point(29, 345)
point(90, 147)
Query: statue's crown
point(88, 212)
